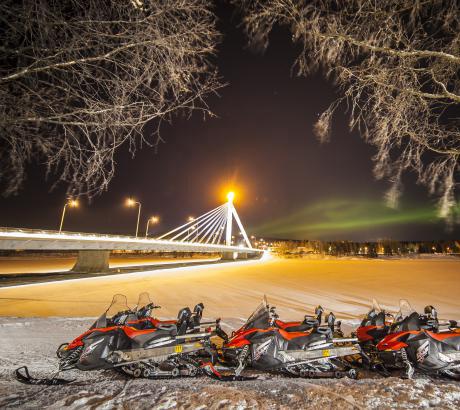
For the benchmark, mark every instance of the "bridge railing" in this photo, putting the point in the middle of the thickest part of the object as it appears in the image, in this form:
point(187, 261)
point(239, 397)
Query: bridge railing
point(64, 233)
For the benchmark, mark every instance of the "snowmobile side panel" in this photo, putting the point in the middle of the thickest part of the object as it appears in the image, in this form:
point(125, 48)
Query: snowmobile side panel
point(395, 341)
point(79, 340)
point(432, 354)
point(97, 347)
point(368, 333)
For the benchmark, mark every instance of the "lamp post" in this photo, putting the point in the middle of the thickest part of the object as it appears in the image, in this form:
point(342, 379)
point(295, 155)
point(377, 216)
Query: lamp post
point(73, 203)
point(154, 220)
point(131, 202)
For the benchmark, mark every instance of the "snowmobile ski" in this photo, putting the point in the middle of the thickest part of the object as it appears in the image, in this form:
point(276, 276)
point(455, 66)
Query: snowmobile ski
point(23, 376)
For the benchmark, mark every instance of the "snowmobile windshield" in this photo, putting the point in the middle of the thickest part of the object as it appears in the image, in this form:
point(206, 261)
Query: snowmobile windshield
point(260, 318)
point(407, 318)
point(375, 316)
point(143, 301)
point(119, 304)
point(116, 310)
point(405, 310)
point(101, 322)
point(376, 306)
point(144, 306)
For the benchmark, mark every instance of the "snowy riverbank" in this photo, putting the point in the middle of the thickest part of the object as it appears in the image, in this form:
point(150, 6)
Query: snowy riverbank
point(33, 341)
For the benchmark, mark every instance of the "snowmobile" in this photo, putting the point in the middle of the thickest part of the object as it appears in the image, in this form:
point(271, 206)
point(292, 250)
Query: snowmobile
point(132, 342)
point(138, 345)
point(266, 343)
point(409, 341)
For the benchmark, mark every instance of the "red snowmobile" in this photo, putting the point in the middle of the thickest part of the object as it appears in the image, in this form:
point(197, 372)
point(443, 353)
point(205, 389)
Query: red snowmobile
point(305, 349)
point(410, 341)
point(136, 344)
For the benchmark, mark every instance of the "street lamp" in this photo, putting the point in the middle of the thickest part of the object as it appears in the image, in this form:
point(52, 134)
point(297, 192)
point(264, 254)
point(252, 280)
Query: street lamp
point(131, 202)
point(154, 220)
point(73, 203)
point(230, 196)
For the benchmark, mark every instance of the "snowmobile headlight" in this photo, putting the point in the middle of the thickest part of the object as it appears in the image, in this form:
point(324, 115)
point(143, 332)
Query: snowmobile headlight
point(449, 357)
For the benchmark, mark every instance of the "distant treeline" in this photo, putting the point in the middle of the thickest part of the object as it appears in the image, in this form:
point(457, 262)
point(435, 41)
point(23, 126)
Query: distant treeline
point(385, 247)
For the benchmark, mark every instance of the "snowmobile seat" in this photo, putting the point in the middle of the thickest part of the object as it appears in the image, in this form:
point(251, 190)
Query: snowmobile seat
point(292, 326)
point(324, 330)
point(311, 321)
point(197, 315)
point(300, 340)
point(299, 328)
point(183, 320)
point(171, 328)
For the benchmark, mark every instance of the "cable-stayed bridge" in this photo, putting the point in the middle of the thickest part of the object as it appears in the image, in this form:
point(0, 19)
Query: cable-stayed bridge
point(208, 233)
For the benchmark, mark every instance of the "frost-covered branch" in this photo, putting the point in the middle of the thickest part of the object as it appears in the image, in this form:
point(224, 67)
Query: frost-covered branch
point(79, 79)
point(397, 63)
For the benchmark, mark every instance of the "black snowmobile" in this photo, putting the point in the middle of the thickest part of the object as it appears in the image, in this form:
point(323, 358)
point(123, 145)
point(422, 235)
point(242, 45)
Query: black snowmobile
point(409, 341)
point(132, 342)
point(307, 350)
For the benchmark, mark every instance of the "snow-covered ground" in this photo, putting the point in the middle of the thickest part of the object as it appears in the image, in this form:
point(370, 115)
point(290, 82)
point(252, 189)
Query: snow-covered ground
point(37, 318)
point(33, 341)
point(294, 286)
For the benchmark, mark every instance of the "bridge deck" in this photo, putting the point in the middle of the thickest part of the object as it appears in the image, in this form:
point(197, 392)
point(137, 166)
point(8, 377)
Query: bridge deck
point(32, 239)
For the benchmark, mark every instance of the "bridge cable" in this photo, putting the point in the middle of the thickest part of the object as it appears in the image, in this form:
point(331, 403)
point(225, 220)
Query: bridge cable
point(191, 222)
point(197, 228)
point(208, 235)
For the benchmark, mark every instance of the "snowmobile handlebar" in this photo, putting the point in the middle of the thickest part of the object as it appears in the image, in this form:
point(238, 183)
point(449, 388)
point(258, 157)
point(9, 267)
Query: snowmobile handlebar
point(451, 324)
point(150, 306)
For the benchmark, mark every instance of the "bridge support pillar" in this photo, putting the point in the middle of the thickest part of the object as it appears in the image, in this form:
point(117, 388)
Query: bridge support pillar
point(242, 255)
point(92, 262)
point(228, 256)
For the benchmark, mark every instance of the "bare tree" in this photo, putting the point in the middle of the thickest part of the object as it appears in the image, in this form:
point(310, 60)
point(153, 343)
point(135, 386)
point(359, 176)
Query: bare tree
point(80, 78)
point(397, 63)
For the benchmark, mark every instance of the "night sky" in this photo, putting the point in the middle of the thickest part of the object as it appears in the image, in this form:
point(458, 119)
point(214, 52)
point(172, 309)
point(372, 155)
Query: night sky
point(262, 145)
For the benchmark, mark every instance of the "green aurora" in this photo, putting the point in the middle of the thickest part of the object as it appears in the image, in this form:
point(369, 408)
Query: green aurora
point(341, 217)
